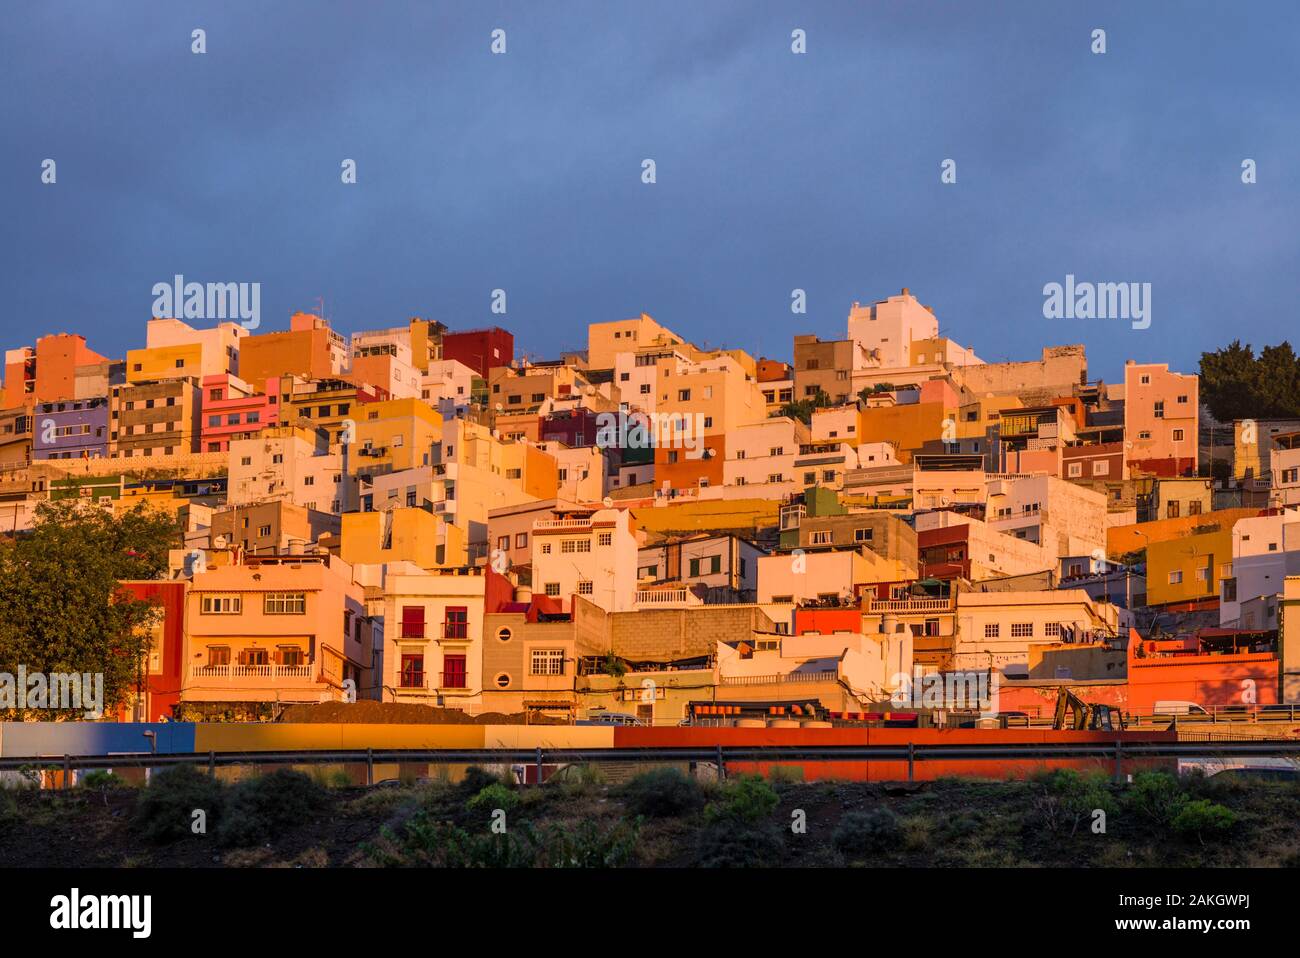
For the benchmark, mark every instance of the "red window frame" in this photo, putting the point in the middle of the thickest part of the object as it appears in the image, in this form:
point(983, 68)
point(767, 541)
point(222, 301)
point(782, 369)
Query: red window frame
point(456, 625)
point(412, 674)
point(454, 672)
point(412, 621)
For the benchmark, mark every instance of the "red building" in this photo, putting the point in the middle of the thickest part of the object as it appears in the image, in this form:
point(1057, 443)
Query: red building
point(160, 673)
point(480, 349)
point(232, 410)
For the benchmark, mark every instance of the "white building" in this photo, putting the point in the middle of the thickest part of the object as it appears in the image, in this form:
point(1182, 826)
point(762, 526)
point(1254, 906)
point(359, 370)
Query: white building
point(593, 555)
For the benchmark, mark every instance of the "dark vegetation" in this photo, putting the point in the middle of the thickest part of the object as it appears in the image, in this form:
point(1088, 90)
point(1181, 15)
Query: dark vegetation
point(661, 818)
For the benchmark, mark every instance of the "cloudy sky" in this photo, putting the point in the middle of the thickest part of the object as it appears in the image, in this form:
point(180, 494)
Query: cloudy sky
point(775, 171)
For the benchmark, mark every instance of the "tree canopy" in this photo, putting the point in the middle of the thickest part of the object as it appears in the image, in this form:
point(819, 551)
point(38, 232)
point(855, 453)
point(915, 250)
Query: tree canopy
point(1237, 384)
point(802, 409)
point(61, 606)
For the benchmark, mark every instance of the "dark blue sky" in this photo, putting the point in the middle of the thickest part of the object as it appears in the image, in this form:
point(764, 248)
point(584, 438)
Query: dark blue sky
point(775, 171)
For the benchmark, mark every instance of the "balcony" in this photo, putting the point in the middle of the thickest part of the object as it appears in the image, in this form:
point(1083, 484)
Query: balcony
point(911, 606)
point(543, 524)
point(667, 598)
point(452, 680)
point(455, 630)
point(243, 672)
point(784, 678)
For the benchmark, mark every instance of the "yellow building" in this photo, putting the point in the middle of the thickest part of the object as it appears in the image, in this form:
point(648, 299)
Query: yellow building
point(1190, 567)
point(607, 340)
point(402, 534)
point(393, 435)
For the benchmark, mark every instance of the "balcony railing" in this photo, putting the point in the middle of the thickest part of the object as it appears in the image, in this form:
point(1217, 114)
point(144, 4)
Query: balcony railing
point(784, 678)
point(666, 597)
point(452, 680)
point(911, 605)
point(455, 630)
point(411, 631)
point(562, 524)
point(253, 671)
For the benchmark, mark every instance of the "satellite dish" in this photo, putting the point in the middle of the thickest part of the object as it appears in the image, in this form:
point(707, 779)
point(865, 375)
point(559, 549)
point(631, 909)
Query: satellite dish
point(219, 542)
point(607, 502)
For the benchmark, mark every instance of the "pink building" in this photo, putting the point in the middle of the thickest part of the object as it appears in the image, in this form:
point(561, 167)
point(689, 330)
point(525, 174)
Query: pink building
point(1160, 420)
point(232, 410)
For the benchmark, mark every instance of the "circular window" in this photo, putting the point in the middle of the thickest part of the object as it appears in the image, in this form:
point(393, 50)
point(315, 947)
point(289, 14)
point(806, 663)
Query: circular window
point(503, 635)
point(503, 681)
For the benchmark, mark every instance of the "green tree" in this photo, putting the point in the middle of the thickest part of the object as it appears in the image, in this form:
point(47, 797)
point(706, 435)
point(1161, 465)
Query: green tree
point(802, 409)
point(61, 605)
point(1237, 384)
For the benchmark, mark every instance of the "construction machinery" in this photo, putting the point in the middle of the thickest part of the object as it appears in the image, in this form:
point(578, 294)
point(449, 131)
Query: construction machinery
point(1074, 713)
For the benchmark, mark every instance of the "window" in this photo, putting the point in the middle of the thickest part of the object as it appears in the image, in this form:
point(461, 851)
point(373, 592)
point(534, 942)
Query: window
point(863, 535)
point(285, 603)
point(553, 589)
point(222, 605)
point(521, 540)
point(683, 395)
point(218, 655)
point(412, 621)
point(711, 565)
point(290, 655)
point(585, 587)
point(253, 657)
point(1022, 630)
point(1075, 470)
point(504, 634)
point(457, 623)
point(606, 539)
point(1178, 435)
point(1159, 411)
point(822, 537)
point(1176, 577)
point(453, 672)
point(1101, 467)
point(263, 531)
point(412, 671)
point(547, 662)
point(575, 545)
point(992, 630)
point(1172, 510)
point(546, 548)
point(1052, 630)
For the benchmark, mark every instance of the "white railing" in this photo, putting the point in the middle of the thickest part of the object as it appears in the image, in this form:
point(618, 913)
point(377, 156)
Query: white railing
point(562, 524)
point(784, 678)
point(253, 671)
point(911, 605)
point(666, 597)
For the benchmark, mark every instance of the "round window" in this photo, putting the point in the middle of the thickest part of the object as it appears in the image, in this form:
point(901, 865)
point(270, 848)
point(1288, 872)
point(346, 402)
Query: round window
point(503, 681)
point(503, 635)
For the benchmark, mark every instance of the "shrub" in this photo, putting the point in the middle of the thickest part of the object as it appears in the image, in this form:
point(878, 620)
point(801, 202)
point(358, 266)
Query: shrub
point(1156, 796)
point(1066, 797)
point(259, 809)
point(476, 779)
point(663, 793)
point(492, 797)
point(747, 799)
point(736, 843)
point(101, 779)
point(1201, 816)
point(860, 834)
point(164, 810)
point(427, 842)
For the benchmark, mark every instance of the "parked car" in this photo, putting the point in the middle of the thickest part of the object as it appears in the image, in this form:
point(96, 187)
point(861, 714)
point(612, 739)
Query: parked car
point(610, 718)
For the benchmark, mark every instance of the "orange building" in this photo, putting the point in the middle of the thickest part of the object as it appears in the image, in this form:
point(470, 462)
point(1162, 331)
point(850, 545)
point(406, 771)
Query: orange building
point(48, 372)
point(907, 427)
point(309, 349)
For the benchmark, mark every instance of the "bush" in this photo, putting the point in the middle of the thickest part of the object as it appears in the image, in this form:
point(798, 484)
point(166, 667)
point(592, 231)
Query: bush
point(860, 834)
point(1201, 816)
point(164, 810)
point(736, 843)
point(476, 779)
point(746, 799)
point(663, 793)
point(259, 809)
point(101, 779)
point(426, 842)
point(492, 797)
point(1064, 797)
point(1156, 796)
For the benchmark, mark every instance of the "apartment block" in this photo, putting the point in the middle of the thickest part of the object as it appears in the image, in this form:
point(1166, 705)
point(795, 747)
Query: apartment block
point(232, 409)
point(71, 429)
point(1161, 419)
point(155, 418)
point(278, 629)
point(590, 554)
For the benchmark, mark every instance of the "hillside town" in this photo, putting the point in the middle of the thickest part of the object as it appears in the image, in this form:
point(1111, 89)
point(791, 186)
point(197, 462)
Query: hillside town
point(650, 532)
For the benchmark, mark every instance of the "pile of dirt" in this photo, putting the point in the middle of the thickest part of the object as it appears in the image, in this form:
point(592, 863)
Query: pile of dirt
point(370, 712)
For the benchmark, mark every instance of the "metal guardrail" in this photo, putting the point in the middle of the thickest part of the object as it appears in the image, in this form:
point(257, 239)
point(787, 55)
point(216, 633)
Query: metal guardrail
point(720, 755)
